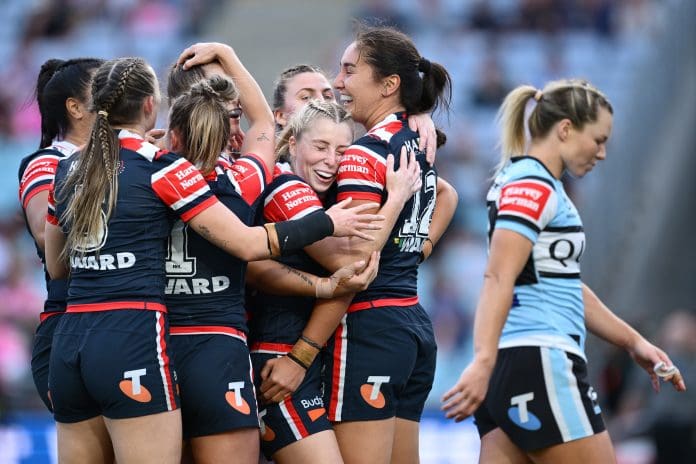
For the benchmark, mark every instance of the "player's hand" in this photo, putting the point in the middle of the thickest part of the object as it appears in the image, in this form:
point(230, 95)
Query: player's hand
point(157, 137)
point(648, 356)
point(424, 125)
point(349, 279)
point(280, 378)
point(203, 53)
point(405, 181)
point(466, 395)
point(352, 222)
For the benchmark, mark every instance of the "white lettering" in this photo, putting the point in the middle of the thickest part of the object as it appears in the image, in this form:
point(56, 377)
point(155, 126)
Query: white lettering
point(237, 387)
point(377, 381)
point(196, 286)
point(106, 262)
point(135, 377)
point(192, 181)
point(184, 172)
point(316, 401)
point(521, 402)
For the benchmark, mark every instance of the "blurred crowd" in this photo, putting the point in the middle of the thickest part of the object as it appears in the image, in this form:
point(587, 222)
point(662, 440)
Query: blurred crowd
point(488, 46)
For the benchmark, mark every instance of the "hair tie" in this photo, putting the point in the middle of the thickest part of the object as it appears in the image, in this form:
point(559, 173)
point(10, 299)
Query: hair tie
point(424, 65)
point(538, 95)
point(103, 113)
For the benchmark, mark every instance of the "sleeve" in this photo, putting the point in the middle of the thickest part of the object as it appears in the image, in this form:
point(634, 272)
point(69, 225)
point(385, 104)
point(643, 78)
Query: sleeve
point(51, 215)
point(180, 186)
point(290, 198)
point(250, 176)
point(526, 206)
point(362, 172)
point(37, 176)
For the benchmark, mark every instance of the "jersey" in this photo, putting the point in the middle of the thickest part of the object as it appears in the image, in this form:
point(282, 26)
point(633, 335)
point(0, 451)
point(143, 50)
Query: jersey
point(36, 174)
point(205, 285)
point(362, 176)
point(547, 307)
point(124, 268)
point(281, 319)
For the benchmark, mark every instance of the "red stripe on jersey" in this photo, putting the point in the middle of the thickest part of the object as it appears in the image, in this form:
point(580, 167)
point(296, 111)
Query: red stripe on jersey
point(280, 348)
point(51, 219)
point(116, 305)
point(291, 200)
point(130, 143)
point(386, 131)
point(179, 184)
point(267, 174)
point(37, 177)
point(196, 210)
point(524, 198)
point(51, 203)
point(295, 417)
point(382, 302)
point(361, 169)
point(206, 329)
point(166, 367)
point(250, 177)
point(336, 371)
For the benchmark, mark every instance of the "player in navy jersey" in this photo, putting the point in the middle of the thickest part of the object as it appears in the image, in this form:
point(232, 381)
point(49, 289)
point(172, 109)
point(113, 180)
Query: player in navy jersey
point(62, 93)
point(381, 360)
point(533, 311)
point(313, 142)
point(113, 208)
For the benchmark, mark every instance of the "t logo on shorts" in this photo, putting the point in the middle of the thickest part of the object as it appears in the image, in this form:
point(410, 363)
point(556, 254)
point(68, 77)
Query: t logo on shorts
point(370, 390)
point(267, 434)
point(132, 388)
point(592, 395)
point(520, 415)
point(234, 397)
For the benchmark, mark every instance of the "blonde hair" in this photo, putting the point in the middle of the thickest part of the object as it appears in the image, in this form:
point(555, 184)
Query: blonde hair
point(303, 120)
point(119, 88)
point(573, 99)
point(202, 119)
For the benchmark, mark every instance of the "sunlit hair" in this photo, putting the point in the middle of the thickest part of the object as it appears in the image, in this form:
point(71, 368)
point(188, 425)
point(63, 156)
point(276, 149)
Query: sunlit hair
point(201, 119)
point(180, 80)
point(573, 99)
point(303, 120)
point(59, 80)
point(119, 88)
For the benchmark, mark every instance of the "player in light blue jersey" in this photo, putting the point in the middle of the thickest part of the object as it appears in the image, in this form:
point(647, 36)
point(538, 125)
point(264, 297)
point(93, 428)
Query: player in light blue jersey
point(527, 384)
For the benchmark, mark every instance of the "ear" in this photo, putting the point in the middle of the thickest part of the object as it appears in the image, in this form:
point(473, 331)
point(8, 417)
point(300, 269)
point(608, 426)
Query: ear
point(391, 85)
point(175, 141)
point(280, 117)
point(292, 145)
point(149, 105)
point(563, 129)
point(74, 108)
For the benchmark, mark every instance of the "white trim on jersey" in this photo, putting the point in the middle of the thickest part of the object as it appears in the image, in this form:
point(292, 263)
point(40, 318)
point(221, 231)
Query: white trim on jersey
point(342, 370)
point(370, 153)
point(289, 420)
point(365, 183)
point(190, 197)
point(286, 185)
point(166, 170)
point(542, 340)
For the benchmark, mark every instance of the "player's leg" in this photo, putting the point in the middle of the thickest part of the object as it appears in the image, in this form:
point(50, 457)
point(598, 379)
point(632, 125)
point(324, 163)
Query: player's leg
point(84, 441)
point(243, 444)
point(496, 448)
point(318, 448)
point(147, 439)
point(595, 448)
point(366, 442)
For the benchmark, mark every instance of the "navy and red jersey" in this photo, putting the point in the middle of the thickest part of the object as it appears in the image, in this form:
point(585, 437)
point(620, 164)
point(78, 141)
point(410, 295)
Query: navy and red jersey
point(362, 176)
point(274, 318)
point(124, 268)
point(36, 174)
point(205, 285)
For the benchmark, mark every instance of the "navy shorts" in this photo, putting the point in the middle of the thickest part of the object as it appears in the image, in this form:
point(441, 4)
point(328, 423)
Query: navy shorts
point(215, 380)
point(380, 364)
point(113, 363)
point(296, 417)
point(539, 396)
point(41, 354)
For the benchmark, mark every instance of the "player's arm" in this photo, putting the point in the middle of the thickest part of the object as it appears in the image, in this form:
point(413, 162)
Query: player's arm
point(445, 207)
point(601, 321)
point(54, 244)
point(35, 212)
point(260, 137)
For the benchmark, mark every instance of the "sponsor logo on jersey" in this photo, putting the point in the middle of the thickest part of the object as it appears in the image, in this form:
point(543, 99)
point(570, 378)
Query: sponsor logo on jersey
point(371, 393)
point(132, 388)
point(316, 401)
point(592, 395)
point(315, 414)
point(234, 397)
point(520, 414)
point(525, 198)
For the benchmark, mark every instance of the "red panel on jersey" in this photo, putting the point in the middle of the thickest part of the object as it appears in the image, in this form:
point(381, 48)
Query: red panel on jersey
point(292, 200)
point(524, 198)
point(361, 175)
point(37, 177)
point(251, 176)
point(180, 186)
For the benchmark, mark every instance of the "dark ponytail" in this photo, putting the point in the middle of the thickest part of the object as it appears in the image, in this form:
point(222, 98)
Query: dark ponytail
point(59, 80)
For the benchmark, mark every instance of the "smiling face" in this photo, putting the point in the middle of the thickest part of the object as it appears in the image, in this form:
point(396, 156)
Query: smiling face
point(359, 92)
point(585, 147)
point(316, 153)
point(300, 89)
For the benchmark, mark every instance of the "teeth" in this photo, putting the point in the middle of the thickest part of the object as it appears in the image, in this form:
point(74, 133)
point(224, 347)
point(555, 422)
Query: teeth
point(346, 99)
point(324, 175)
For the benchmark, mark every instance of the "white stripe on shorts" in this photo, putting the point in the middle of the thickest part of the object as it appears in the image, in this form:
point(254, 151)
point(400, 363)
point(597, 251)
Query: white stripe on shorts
point(158, 340)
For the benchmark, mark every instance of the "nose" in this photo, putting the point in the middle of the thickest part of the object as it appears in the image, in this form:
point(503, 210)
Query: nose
point(338, 81)
point(602, 154)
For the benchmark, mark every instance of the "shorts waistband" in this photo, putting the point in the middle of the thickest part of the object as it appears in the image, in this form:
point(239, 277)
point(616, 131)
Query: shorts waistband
point(207, 330)
point(116, 305)
point(272, 348)
point(46, 314)
point(382, 302)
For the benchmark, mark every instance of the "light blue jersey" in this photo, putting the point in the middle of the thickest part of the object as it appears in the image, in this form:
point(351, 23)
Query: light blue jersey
point(547, 308)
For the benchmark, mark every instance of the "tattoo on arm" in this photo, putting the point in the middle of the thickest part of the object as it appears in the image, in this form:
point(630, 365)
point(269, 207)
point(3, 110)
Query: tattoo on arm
point(263, 137)
point(299, 274)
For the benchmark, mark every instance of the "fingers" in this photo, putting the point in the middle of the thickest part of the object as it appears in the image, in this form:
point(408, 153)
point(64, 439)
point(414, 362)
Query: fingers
point(343, 203)
point(390, 163)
